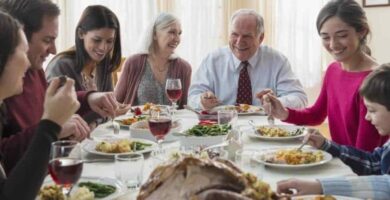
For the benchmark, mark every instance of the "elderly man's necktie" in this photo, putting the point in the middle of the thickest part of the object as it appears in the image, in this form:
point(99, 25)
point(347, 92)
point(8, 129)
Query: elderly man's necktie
point(244, 90)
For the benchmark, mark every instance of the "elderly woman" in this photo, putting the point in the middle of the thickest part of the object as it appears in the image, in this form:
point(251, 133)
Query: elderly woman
point(144, 74)
point(60, 104)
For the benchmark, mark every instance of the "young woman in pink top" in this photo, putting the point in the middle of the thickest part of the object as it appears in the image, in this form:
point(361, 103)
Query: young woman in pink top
point(343, 28)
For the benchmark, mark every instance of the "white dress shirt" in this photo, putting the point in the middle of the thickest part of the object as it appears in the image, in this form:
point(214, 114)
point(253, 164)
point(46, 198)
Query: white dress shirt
point(219, 73)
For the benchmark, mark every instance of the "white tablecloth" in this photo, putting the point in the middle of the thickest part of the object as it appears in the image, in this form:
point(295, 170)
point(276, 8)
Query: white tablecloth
point(271, 175)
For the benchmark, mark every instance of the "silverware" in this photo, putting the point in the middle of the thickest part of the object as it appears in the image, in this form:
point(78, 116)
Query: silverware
point(191, 109)
point(216, 145)
point(97, 160)
point(270, 118)
point(250, 122)
point(305, 141)
point(115, 126)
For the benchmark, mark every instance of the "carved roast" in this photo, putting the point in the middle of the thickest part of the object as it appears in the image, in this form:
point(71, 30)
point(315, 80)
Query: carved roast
point(194, 178)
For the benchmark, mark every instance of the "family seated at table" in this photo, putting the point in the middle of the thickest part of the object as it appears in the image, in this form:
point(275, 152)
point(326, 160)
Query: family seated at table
point(245, 72)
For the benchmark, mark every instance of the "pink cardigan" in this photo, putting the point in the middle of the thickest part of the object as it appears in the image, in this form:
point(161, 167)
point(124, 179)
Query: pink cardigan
point(340, 101)
point(133, 70)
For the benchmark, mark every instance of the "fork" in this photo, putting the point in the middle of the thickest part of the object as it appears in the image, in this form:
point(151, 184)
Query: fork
point(115, 126)
point(305, 141)
point(270, 118)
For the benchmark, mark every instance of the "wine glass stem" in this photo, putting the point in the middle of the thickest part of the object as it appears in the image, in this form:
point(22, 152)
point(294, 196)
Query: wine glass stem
point(159, 142)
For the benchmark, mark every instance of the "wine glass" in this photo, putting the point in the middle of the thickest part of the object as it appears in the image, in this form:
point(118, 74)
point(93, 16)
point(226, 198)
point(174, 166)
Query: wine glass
point(173, 90)
point(160, 123)
point(65, 165)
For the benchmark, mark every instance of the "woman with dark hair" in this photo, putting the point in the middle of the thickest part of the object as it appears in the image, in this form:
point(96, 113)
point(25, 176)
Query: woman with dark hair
point(343, 28)
point(60, 104)
point(145, 73)
point(96, 55)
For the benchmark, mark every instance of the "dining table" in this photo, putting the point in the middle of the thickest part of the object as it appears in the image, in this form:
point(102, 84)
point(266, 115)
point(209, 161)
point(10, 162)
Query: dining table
point(102, 166)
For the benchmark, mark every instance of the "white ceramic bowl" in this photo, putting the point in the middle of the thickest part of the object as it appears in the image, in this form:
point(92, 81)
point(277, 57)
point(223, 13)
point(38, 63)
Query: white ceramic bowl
point(194, 141)
point(141, 130)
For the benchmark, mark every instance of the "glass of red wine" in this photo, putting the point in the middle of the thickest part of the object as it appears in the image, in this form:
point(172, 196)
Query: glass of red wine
point(174, 91)
point(65, 165)
point(160, 123)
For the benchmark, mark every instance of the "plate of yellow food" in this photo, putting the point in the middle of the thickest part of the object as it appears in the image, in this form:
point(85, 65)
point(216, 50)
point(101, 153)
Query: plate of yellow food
point(113, 146)
point(101, 188)
point(242, 109)
point(290, 157)
point(278, 132)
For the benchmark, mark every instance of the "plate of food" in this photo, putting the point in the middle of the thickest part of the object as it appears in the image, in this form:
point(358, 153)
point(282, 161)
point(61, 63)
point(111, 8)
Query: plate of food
point(141, 130)
point(204, 135)
point(278, 132)
point(114, 146)
point(242, 109)
point(323, 197)
point(290, 157)
point(125, 120)
point(145, 109)
point(93, 187)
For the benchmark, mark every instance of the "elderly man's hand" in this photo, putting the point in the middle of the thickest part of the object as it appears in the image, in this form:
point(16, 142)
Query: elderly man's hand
point(209, 100)
point(103, 103)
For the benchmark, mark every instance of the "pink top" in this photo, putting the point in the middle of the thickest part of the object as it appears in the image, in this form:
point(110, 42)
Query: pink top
point(340, 101)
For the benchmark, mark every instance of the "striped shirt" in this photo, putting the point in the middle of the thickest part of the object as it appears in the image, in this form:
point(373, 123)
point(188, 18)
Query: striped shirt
point(362, 162)
point(365, 187)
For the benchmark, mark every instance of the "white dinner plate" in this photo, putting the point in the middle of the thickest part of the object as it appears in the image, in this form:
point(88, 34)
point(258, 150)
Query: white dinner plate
point(261, 158)
point(123, 117)
point(90, 145)
point(289, 128)
point(141, 130)
point(120, 187)
point(253, 110)
point(313, 197)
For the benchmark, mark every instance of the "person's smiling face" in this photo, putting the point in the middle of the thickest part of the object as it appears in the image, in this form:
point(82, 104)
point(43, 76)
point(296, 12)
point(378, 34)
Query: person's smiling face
point(339, 39)
point(244, 39)
point(379, 116)
point(15, 68)
point(168, 38)
point(98, 43)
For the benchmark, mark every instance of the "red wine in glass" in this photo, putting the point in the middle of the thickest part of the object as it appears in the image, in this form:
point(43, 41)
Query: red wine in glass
point(160, 127)
point(65, 171)
point(174, 94)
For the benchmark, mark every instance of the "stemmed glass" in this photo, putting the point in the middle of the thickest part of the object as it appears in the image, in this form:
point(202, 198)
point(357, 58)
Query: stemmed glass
point(65, 164)
point(160, 123)
point(174, 91)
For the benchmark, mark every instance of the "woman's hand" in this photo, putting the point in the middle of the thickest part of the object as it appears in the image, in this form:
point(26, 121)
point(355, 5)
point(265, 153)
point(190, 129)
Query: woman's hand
point(60, 101)
point(272, 105)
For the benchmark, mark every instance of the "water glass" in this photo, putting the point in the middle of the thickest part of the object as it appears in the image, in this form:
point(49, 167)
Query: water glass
point(246, 160)
point(227, 117)
point(129, 169)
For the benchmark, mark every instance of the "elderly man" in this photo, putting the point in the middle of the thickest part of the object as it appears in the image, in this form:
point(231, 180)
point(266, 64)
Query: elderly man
point(245, 70)
point(23, 112)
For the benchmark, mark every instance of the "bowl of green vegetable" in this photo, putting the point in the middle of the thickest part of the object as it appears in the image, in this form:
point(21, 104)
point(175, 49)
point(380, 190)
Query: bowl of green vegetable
point(204, 135)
